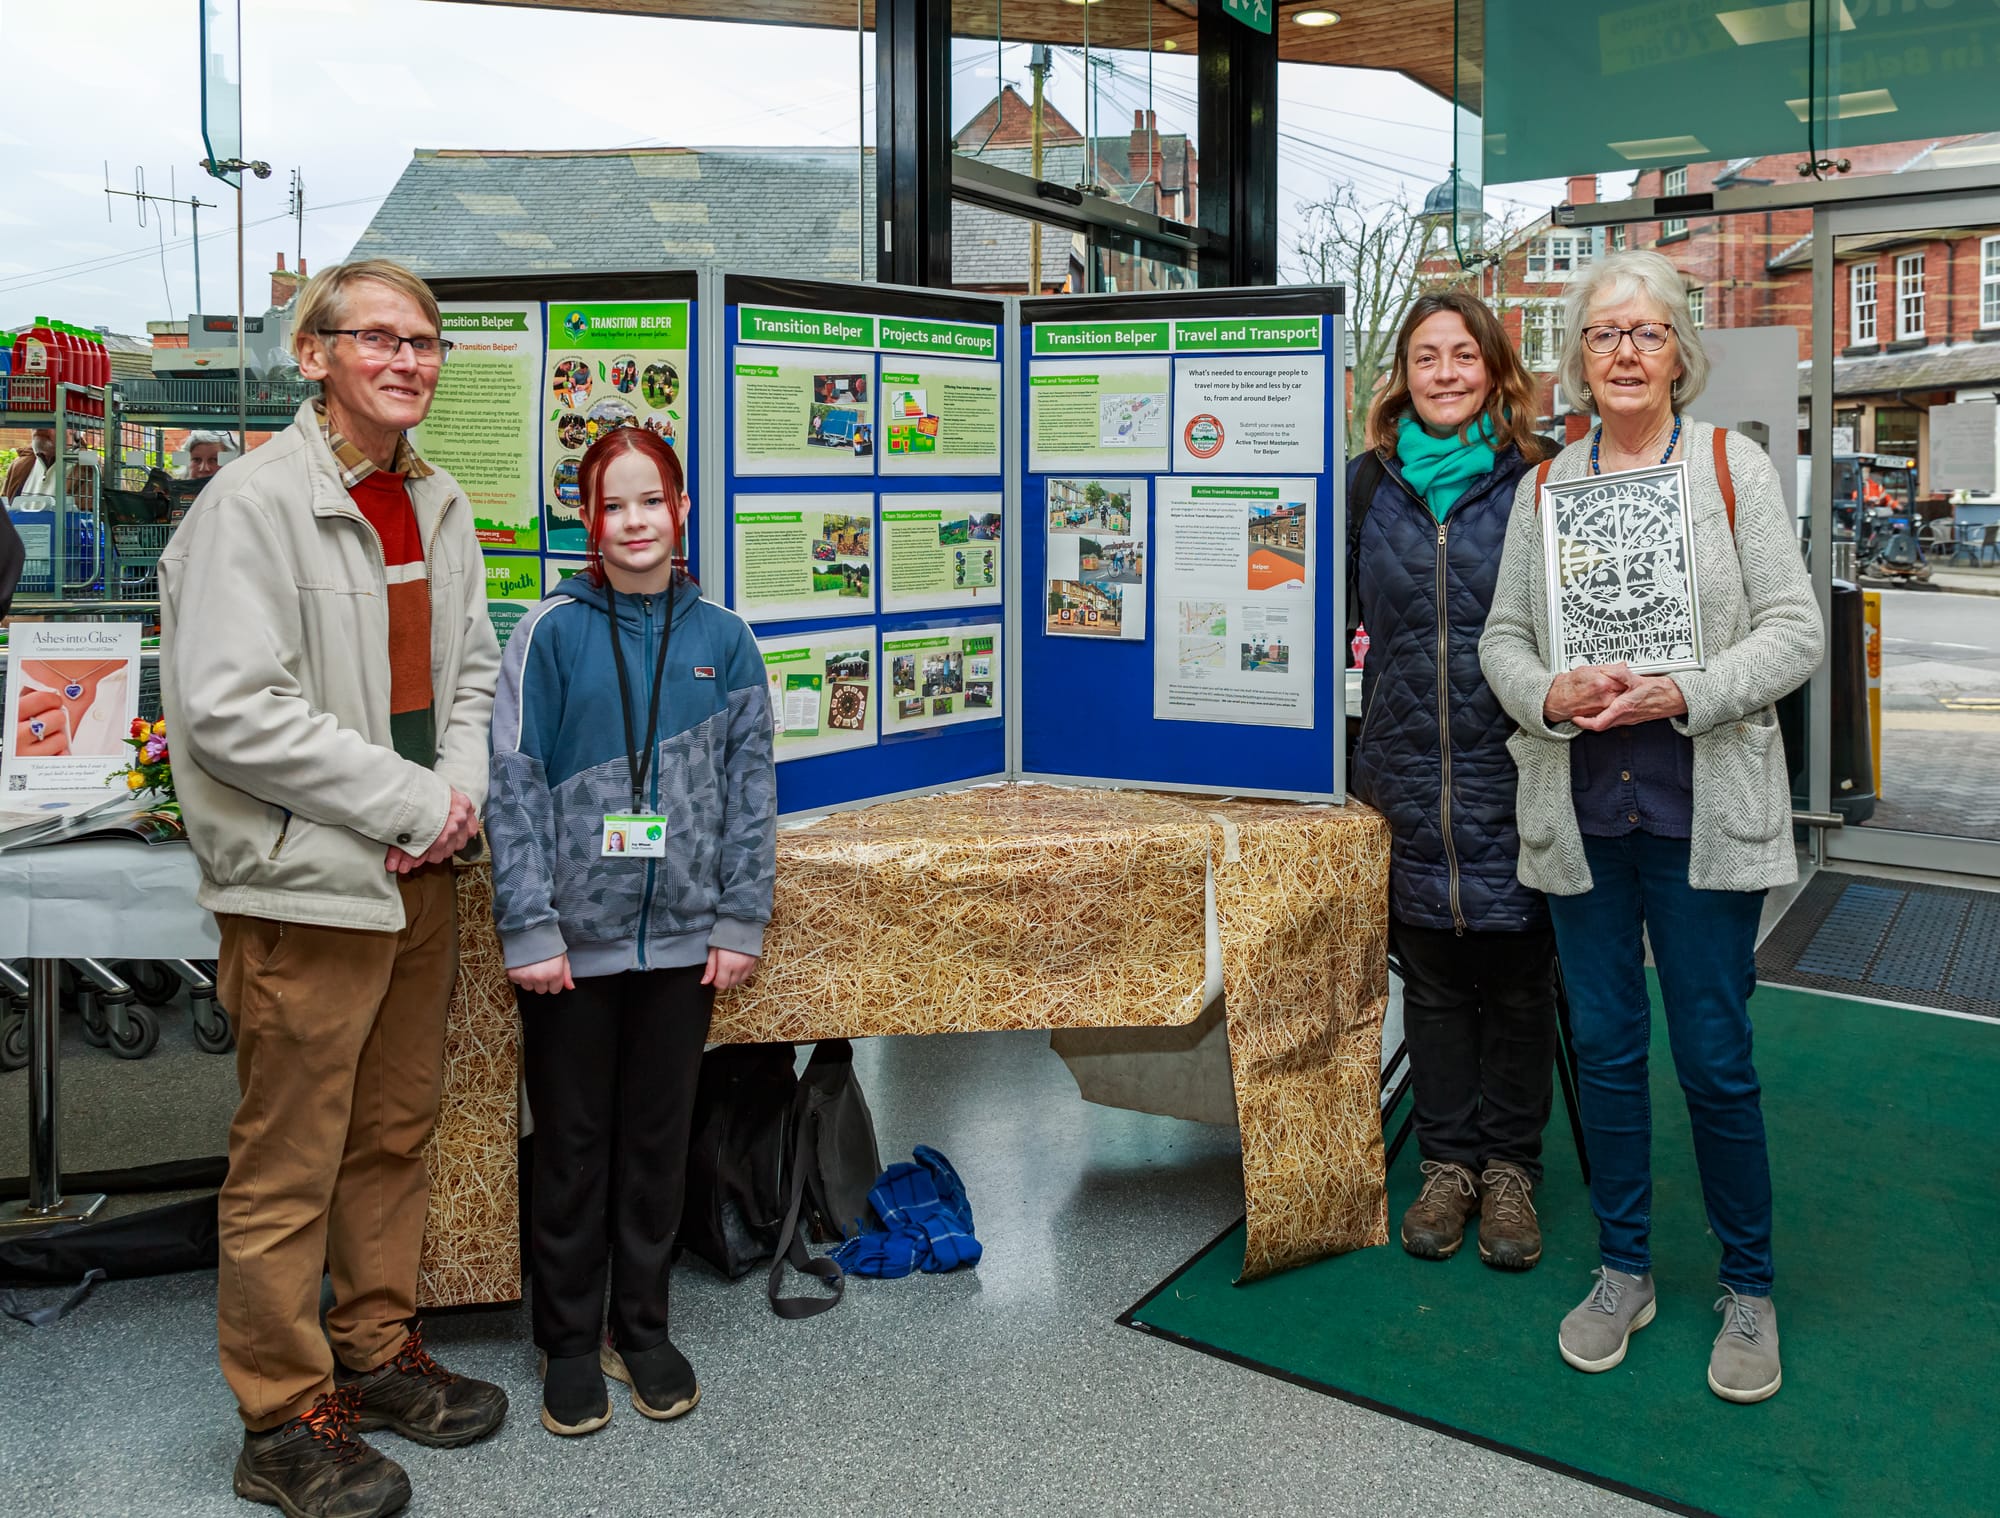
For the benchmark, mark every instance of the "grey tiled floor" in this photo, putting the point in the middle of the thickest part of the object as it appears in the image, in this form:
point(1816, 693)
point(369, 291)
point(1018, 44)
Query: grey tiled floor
point(1006, 1390)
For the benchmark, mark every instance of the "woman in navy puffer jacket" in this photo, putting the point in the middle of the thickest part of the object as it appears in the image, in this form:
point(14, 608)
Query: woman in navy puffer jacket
point(1449, 439)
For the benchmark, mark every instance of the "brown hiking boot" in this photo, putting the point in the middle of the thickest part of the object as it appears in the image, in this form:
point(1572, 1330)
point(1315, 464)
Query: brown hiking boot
point(1510, 1236)
point(1434, 1226)
point(418, 1398)
point(313, 1467)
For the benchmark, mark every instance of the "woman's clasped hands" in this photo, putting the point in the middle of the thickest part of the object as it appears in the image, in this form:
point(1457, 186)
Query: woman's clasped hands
point(1598, 697)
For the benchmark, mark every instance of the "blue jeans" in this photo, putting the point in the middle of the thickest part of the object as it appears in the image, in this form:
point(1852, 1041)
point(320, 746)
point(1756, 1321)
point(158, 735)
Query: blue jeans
point(1704, 946)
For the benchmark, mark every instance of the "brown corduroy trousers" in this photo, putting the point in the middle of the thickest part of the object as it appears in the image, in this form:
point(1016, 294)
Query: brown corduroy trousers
point(340, 1057)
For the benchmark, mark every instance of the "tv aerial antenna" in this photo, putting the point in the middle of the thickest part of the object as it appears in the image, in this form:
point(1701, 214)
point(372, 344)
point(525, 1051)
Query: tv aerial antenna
point(141, 198)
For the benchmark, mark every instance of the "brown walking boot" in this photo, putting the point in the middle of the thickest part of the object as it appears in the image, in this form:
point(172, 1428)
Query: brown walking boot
point(418, 1398)
point(313, 1467)
point(1510, 1235)
point(1434, 1226)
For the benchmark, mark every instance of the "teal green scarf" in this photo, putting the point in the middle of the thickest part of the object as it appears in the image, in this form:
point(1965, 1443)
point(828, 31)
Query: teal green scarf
point(1440, 468)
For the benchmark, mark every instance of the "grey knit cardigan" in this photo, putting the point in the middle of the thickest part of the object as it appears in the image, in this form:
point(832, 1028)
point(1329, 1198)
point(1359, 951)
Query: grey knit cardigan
point(1763, 636)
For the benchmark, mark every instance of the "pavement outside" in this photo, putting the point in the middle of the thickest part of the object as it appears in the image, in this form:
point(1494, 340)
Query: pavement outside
point(1941, 707)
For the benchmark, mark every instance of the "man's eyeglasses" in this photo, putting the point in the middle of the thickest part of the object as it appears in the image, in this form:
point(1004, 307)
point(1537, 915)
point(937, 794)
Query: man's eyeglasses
point(1647, 337)
point(382, 346)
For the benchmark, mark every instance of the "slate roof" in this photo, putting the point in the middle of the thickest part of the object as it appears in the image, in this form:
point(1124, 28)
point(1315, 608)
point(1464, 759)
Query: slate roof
point(990, 250)
point(783, 210)
point(1937, 368)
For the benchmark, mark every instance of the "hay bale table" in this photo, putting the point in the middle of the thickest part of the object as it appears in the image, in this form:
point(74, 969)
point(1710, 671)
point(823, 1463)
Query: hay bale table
point(1035, 906)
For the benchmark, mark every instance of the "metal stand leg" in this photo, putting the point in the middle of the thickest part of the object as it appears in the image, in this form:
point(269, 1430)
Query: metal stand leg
point(45, 1204)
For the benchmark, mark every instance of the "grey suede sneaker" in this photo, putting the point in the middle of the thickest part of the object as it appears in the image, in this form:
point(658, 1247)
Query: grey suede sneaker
point(1595, 1333)
point(1743, 1366)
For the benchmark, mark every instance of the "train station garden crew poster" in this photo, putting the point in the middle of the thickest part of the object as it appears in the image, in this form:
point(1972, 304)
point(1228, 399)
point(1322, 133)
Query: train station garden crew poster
point(609, 365)
point(940, 551)
point(941, 676)
point(804, 556)
point(822, 688)
point(940, 416)
point(480, 428)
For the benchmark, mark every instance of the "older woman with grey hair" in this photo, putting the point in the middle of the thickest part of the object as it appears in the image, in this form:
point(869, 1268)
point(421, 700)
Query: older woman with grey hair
point(1661, 804)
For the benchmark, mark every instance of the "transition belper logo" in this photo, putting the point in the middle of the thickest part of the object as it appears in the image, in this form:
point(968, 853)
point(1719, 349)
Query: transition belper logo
point(576, 324)
point(1203, 435)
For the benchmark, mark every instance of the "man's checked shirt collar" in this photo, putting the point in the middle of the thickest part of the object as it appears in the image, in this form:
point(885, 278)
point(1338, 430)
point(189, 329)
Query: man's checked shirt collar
point(355, 466)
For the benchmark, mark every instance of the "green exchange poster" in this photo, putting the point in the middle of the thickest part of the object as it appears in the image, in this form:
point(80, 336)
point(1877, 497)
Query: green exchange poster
point(610, 365)
point(481, 424)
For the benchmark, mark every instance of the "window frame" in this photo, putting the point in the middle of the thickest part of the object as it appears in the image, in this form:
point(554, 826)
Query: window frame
point(1989, 281)
point(1541, 322)
point(1855, 305)
point(1909, 297)
point(1673, 226)
point(1697, 300)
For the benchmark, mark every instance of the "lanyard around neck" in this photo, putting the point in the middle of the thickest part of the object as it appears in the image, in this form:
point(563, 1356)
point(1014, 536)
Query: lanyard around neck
point(639, 756)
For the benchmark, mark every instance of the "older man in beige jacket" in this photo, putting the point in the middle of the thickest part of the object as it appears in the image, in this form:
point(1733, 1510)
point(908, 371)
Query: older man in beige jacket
point(328, 674)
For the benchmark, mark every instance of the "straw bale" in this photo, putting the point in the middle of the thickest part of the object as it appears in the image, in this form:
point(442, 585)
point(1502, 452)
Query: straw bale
point(472, 1233)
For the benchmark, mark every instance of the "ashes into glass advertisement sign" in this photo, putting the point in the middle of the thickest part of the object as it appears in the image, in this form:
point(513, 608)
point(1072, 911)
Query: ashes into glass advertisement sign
point(1619, 549)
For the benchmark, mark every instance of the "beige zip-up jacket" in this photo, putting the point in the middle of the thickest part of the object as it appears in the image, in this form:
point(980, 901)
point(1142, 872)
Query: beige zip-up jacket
point(274, 666)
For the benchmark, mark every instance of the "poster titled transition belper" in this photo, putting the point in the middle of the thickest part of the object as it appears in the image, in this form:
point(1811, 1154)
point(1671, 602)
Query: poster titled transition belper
point(610, 365)
point(480, 427)
point(822, 691)
point(1235, 602)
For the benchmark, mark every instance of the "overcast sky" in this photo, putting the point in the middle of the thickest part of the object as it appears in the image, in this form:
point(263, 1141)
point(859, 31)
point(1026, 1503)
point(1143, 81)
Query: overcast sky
point(345, 90)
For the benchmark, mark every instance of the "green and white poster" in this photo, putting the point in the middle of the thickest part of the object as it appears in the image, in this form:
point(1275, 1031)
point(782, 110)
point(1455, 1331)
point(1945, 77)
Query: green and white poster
point(822, 691)
point(513, 586)
point(804, 413)
point(940, 416)
point(1098, 416)
point(940, 551)
point(481, 426)
point(804, 556)
point(941, 676)
point(609, 365)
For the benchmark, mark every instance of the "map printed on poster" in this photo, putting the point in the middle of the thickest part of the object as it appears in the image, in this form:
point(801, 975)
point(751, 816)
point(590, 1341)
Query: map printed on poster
point(941, 676)
point(1250, 413)
point(822, 691)
point(1235, 641)
point(940, 552)
point(481, 426)
point(1101, 414)
point(804, 556)
point(72, 695)
point(1096, 558)
point(513, 586)
point(609, 365)
point(1619, 551)
point(940, 416)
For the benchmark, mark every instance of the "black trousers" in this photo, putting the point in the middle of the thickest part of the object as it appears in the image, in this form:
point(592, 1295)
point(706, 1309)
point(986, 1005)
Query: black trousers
point(1479, 1016)
point(611, 1069)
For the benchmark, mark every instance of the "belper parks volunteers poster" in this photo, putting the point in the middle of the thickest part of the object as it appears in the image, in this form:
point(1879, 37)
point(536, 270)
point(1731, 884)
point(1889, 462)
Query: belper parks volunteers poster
point(940, 676)
point(940, 551)
point(609, 365)
point(804, 556)
point(478, 429)
point(822, 691)
point(1097, 558)
point(1235, 602)
point(940, 416)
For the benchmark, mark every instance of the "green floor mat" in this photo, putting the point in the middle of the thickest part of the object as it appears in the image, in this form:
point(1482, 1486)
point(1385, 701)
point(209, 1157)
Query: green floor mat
point(1884, 1159)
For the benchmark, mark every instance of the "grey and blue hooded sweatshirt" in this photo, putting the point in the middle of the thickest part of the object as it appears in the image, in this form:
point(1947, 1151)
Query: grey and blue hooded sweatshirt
point(560, 765)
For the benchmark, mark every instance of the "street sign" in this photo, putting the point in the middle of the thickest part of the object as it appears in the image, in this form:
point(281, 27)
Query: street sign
point(1255, 14)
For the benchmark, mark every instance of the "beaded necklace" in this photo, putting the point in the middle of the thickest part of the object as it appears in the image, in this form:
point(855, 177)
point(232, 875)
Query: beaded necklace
point(1598, 437)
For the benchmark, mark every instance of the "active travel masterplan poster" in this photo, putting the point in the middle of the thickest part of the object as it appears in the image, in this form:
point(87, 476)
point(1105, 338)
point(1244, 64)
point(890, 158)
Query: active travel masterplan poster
point(1235, 641)
point(822, 691)
point(609, 365)
point(940, 552)
point(941, 676)
point(1250, 412)
point(940, 416)
point(804, 556)
point(1097, 558)
point(480, 428)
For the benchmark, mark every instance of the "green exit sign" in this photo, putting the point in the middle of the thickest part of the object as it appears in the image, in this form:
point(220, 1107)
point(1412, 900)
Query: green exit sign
point(1252, 13)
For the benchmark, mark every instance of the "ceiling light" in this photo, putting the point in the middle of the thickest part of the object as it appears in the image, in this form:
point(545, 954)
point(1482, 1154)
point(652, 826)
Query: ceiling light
point(1659, 147)
point(1315, 18)
point(1170, 46)
point(1855, 103)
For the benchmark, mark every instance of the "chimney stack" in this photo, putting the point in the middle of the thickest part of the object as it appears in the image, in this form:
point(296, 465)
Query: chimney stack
point(1583, 190)
point(285, 285)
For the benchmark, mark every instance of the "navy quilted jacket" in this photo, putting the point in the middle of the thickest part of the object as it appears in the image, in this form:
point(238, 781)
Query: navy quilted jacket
point(1423, 592)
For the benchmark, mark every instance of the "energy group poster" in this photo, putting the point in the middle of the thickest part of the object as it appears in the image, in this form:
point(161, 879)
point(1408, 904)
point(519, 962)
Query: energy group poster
point(513, 586)
point(480, 429)
point(941, 676)
point(940, 551)
point(1250, 413)
point(1236, 579)
point(822, 691)
point(1096, 558)
point(1098, 414)
point(940, 416)
point(808, 412)
point(804, 556)
point(609, 365)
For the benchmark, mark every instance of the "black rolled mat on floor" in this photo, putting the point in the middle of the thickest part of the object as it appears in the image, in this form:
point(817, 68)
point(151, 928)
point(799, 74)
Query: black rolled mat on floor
point(1889, 940)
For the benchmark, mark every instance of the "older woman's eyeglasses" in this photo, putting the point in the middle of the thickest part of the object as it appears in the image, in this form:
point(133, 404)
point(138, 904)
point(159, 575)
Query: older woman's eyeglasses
point(1647, 337)
point(381, 347)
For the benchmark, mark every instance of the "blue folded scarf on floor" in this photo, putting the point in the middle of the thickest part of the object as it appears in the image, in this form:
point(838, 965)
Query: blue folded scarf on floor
point(926, 1222)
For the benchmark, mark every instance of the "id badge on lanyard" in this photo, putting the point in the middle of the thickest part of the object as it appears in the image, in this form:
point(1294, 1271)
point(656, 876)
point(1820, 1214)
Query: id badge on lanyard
point(637, 834)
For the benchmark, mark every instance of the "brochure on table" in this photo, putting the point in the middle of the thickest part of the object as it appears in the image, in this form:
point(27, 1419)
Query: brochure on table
point(865, 529)
point(72, 696)
point(1180, 459)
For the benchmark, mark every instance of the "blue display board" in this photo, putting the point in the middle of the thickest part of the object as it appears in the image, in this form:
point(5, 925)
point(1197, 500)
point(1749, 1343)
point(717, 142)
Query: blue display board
point(1182, 397)
point(811, 460)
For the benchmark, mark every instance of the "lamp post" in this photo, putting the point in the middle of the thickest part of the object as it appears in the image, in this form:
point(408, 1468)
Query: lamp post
point(222, 168)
